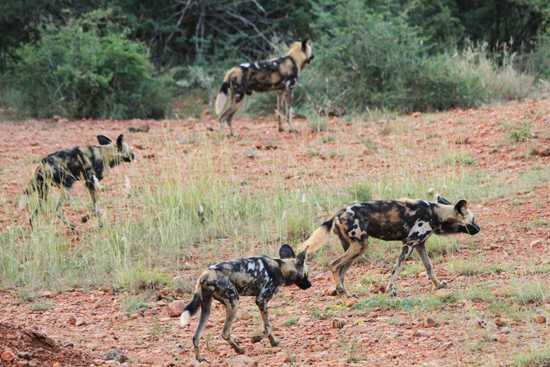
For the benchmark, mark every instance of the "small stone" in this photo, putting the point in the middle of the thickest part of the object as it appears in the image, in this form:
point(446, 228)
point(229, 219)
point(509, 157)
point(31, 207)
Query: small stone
point(500, 322)
point(540, 319)
point(421, 334)
point(56, 364)
point(242, 361)
point(80, 322)
point(482, 323)
point(502, 339)
point(338, 323)
point(175, 309)
point(429, 322)
point(116, 354)
point(7, 356)
point(71, 320)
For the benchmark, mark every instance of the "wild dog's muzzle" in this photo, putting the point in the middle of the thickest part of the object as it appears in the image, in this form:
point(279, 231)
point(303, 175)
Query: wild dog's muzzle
point(303, 283)
point(471, 229)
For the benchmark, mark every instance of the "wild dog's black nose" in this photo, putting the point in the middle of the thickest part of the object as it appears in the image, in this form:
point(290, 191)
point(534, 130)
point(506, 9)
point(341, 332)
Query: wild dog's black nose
point(304, 283)
point(472, 228)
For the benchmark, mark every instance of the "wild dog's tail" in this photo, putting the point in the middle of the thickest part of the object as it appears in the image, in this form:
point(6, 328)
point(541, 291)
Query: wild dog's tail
point(194, 305)
point(221, 98)
point(318, 238)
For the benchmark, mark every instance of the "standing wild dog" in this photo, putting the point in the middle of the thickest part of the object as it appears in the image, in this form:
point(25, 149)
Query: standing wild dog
point(279, 75)
point(63, 168)
point(254, 276)
point(408, 221)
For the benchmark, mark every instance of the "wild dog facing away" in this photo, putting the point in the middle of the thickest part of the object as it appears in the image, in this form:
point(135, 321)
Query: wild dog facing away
point(408, 221)
point(260, 277)
point(63, 168)
point(280, 74)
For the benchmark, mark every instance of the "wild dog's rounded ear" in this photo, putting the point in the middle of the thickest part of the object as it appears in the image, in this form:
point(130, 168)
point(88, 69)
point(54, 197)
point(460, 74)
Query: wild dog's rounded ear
point(461, 206)
point(120, 140)
point(286, 252)
point(103, 140)
point(301, 258)
point(305, 42)
point(442, 200)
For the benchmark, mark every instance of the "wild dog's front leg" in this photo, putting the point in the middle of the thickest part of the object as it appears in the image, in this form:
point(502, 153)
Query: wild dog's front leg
point(289, 98)
point(418, 234)
point(421, 249)
point(59, 210)
point(93, 185)
point(278, 111)
point(405, 252)
point(261, 301)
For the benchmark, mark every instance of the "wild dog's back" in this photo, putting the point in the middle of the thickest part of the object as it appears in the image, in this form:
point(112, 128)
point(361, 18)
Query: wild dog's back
point(249, 275)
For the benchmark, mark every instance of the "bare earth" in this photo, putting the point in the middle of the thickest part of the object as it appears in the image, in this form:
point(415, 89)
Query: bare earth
point(369, 336)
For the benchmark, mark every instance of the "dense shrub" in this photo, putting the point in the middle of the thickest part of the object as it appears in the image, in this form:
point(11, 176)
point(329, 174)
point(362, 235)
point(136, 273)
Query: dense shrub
point(87, 68)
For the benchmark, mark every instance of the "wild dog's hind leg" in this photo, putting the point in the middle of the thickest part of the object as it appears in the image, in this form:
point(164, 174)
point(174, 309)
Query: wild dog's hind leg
point(227, 115)
point(227, 294)
point(421, 249)
point(342, 263)
point(206, 305)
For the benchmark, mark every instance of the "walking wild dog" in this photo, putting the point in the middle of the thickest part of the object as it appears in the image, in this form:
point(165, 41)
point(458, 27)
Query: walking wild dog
point(254, 276)
point(63, 168)
point(280, 74)
point(408, 221)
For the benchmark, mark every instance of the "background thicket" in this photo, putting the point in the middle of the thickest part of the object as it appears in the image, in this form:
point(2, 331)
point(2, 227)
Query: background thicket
point(401, 54)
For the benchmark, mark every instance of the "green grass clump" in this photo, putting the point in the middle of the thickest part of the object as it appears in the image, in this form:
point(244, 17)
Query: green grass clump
point(537, 357)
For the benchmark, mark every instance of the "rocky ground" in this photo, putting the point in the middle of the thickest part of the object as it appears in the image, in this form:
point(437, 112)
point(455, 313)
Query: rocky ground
point(451, 327)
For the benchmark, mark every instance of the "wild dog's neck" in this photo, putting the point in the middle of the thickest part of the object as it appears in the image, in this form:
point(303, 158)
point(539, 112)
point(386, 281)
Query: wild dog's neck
point(109, 154)
point(442, 211)
point(297, 55)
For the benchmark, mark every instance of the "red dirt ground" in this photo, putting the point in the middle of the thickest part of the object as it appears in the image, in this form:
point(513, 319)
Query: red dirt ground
point(373, 337)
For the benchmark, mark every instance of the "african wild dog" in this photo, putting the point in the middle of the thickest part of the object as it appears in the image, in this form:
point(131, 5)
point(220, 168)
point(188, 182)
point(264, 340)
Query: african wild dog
point(63, 168)
point(254, 276)
point(408, 221)
point(280, 74)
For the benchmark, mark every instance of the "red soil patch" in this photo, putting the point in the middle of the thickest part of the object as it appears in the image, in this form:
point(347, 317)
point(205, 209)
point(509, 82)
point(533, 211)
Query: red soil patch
point(25, 347)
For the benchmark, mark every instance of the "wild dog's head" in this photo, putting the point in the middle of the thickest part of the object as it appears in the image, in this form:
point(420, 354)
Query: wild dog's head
point(301, 52)
point(293, 268)
point(454, 218)
point(122, 152)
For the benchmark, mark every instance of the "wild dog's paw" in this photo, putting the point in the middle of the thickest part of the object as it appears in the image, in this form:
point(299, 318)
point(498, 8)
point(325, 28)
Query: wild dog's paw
point(293, 130)
point(442, 285)
point(338, 291)
point(391, 291)
point(273, 341)
point(238, 349)
point(256, 338)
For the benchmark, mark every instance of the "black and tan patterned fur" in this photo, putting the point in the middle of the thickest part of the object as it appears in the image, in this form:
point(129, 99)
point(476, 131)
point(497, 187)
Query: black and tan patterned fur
point(408, 221)
point(258, 277)
point(280, 74)
point(63, 168)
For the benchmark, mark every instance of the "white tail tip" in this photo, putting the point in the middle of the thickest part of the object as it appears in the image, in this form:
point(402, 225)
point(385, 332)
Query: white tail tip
point(184, 318)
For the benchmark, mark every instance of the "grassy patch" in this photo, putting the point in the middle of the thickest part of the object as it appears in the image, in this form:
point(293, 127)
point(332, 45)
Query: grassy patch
point(291, 321)
point(42, 305)
point(410, 304)
point(521, 133)
point(463, 158)
point(132, 304)
point(440, 246)
point(537, 357)
point(474, 266)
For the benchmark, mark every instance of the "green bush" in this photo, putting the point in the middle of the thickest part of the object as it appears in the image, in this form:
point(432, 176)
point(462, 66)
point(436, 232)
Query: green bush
point(87, 68)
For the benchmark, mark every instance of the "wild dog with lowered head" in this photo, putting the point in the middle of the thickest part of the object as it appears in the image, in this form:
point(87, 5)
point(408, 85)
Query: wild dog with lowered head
point(279, 75)
point(64, 167)
point(408, 221)
point(260, 277)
